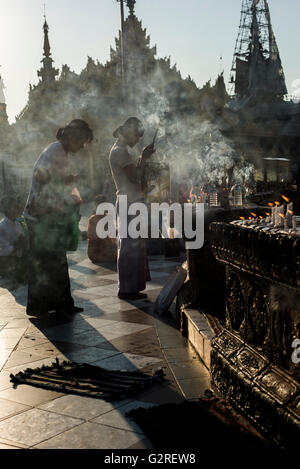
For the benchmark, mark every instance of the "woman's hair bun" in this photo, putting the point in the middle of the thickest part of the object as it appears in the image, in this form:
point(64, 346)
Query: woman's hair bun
point(77, 128)
point(60, 133)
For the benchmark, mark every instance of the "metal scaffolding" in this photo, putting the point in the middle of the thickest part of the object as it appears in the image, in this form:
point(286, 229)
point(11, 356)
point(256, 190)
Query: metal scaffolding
point(258, 11)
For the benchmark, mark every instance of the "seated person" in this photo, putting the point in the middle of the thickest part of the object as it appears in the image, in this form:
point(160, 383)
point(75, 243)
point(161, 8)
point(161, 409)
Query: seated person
point(13, 245)
point(100, 250)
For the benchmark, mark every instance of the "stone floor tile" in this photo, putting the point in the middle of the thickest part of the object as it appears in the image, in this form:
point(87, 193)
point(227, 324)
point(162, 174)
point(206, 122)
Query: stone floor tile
point(2, 446)
point(92, 436)
point(123, 328)
point(90, 323)
point(163, 394)
point(37, 364)
point(117, 418)
point(179, 355)
point(22, 357)
point(165, 329)
point(12, 444)
point(5, 380)
point(66, 347)
point(17, 324)
point(184, 370)
point(85, 295)
point(4, 355)
point(44, 350)
point(91, 338)
point(67, 328)
point(74, 274)
point(140, 343)
point(34, 332)
point(91, 355)
point(112, 276)
point(9, 408)
point(173, 341)
point(142, 444)
point(133, 315)
point(8, 333)
point(153, 286)
point(35, 425)
point(86, 408)
point(110, 300)
point(194, 388)
point(63, 335)
point(28, 395)
point(28, 342)
point(8, 342)
point(127, 361)
point(116, 307)
point(97, 281)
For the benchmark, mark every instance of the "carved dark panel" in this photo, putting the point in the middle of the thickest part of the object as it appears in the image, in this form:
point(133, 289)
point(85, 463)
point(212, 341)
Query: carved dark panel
point(235, 304)
point(258, 319)
point(252, 363)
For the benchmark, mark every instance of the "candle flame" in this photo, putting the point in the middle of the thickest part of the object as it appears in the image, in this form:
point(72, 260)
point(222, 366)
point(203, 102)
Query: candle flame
point(278, 204)
point(281, 215)
point(271, 204)
point(254, 215)
point(268, 214)
point(250, 218)
point(242, 218)
point(286, 199)
point(261, 217)
point(290, 212)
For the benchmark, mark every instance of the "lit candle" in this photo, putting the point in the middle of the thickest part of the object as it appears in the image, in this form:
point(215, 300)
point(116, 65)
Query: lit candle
point(279, 216)
point(273, 214)
point(294, 222)
point(289, 214)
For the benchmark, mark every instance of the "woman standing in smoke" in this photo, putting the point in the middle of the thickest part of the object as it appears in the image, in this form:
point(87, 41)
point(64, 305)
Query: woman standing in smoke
point(132, 254)
point(52, 214)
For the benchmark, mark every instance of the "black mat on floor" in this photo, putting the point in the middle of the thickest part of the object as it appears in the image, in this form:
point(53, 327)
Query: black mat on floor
point(207, 424)
point(87, 380)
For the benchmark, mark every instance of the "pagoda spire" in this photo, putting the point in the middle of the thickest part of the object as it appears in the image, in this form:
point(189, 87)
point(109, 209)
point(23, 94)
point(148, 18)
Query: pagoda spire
point(47, 72)
point(47, 50)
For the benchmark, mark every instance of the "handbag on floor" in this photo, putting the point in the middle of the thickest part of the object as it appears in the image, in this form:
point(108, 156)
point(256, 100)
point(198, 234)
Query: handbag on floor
point(170, 291)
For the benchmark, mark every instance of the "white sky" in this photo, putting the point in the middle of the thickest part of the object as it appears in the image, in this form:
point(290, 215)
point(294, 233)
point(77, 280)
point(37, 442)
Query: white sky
point(193, 32)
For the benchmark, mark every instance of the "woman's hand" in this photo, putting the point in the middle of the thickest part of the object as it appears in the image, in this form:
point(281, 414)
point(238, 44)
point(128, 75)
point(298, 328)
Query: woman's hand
point(76, 196)
point(77, 200)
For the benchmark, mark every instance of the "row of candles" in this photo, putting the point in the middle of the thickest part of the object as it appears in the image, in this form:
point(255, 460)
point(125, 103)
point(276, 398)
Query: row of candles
point(281, 215)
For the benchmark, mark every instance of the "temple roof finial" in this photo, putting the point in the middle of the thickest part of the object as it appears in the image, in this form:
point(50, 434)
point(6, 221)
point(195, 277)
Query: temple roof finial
point(130, 4)
point(47, 49)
